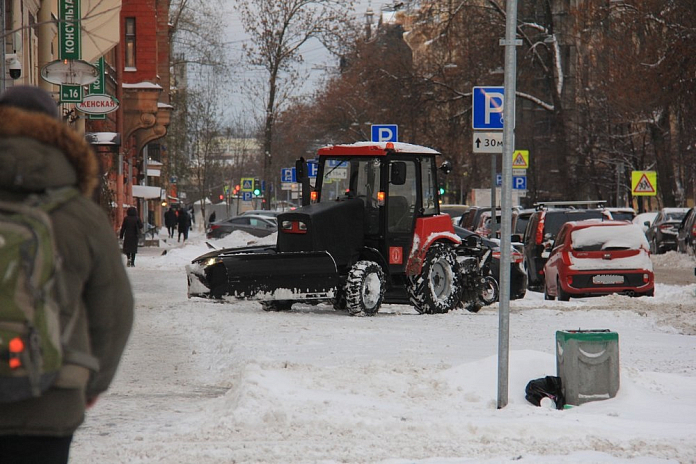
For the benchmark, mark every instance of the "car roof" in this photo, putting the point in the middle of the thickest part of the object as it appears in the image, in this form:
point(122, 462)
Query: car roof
point(374, 149)
point(255, 216)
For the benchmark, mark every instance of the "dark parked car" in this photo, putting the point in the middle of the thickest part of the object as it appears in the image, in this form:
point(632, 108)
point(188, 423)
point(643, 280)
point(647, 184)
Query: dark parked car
point(260, 226)
point(686, 235)
point(541, 232)
point(592, 258)
point(662, 233)
point(518, 277)
point(455, 211)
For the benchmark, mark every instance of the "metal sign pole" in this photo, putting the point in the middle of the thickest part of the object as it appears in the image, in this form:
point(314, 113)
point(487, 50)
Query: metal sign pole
point(510, 42)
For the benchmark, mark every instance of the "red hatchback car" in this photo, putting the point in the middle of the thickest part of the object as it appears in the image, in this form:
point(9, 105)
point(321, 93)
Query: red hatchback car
point(592, 258)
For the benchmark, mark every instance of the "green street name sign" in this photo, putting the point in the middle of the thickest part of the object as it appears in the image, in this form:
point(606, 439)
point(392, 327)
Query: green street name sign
point(97, 87)
point(69, 34)
point(71, 93)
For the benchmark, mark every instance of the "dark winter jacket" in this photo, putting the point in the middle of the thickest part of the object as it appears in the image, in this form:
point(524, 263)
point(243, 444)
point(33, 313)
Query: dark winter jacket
point(170, 219)
point(39, 152)
point(184, 221)
point(130, 231)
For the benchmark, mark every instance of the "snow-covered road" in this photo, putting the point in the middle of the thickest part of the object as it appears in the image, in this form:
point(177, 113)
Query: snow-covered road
point(206, 382)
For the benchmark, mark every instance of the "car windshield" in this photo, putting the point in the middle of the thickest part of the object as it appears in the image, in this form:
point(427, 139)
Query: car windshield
point(352, 177)
point(674, 216)
point(555, 219)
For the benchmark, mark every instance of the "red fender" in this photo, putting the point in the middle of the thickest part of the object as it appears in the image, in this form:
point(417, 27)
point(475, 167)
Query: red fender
point(429, 230)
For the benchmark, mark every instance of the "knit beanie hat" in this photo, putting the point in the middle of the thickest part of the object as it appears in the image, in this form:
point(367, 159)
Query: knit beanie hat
point(30, 98)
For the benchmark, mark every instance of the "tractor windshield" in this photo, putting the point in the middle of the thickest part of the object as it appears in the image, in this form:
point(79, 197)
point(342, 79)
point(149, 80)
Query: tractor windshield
point(356, 177)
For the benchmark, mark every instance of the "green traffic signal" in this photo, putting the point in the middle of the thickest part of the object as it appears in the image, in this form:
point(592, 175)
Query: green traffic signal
point(257, 192)
point(442, 190)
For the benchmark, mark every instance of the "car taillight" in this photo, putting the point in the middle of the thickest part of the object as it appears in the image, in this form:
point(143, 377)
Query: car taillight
point(693, 230)
point(540, 231)
point(569, 280)
point(665, 226)
point(214, 226)
point(646, 278)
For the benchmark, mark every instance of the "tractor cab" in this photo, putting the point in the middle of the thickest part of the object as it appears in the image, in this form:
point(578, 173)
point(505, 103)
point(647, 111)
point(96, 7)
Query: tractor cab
point(397, 184)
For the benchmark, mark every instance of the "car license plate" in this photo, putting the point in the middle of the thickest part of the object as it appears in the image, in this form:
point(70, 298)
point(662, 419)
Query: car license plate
point(607, 279)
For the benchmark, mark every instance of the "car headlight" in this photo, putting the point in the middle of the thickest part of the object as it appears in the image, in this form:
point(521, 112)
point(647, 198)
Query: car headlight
point(212, 261)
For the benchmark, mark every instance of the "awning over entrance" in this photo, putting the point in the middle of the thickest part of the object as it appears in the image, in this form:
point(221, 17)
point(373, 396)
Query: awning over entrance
point(147, 192)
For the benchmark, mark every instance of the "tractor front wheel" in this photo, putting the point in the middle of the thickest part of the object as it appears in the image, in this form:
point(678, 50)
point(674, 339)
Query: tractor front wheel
point(364, 289)
point(436, 289)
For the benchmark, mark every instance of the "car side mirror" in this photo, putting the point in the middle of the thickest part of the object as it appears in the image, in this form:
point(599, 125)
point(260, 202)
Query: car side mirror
point(646, 223)
point(397, 174)
point(516, 238)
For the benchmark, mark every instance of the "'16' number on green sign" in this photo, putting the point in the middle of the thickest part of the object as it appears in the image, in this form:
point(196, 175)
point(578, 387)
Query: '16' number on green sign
point(70, 93)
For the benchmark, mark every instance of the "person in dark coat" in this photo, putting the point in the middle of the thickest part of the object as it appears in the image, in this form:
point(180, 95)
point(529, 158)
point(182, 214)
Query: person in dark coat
point(212, 217)
point(170, 221)
point(39, 152)
point(130, 232)
point(184, 224)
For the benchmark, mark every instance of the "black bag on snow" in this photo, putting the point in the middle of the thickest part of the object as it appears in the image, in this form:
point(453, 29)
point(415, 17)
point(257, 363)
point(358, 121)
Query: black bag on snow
point(545, 387)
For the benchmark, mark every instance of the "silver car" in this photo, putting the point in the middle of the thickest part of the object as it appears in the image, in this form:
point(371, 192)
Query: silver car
point(259, 226)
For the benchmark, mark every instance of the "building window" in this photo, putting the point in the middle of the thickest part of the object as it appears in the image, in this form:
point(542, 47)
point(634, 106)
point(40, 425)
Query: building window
point(130, 43)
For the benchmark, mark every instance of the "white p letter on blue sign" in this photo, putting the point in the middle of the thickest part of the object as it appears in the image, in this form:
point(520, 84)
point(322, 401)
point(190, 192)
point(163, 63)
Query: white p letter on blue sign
point(385, 133)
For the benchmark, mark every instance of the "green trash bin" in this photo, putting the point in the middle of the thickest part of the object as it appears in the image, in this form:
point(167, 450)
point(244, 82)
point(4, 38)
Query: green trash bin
point(587, 361)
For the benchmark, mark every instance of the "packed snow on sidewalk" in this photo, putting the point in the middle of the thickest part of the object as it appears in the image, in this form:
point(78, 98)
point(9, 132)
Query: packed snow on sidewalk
point(208, 382)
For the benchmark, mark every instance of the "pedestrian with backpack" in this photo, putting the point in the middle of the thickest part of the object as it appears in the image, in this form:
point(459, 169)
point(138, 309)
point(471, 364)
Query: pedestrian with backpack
point(63, 329)
point(131, 228)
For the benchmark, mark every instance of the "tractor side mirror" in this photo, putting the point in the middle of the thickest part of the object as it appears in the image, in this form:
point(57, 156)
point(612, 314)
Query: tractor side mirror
point(446, 167)
point(398, 173)
point(300, 169)
point(303, 179)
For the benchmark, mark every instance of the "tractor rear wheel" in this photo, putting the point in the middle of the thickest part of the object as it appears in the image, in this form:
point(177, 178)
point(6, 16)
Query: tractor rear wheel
point(436, 289)
point(364, 289)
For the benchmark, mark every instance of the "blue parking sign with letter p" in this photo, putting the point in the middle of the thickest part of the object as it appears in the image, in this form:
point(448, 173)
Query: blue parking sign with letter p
point(487, 108)
point(519, 182)
point(288, 175)
point(385, 133)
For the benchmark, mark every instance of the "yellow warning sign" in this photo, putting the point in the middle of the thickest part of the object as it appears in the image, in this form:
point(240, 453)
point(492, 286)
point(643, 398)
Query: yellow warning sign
point(644, 183)
point(520, 159)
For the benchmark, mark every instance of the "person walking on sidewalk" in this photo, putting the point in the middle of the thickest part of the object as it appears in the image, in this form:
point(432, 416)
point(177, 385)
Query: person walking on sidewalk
point(131, 229)
point(170, 221)
point(184, 224)
point(38, 153)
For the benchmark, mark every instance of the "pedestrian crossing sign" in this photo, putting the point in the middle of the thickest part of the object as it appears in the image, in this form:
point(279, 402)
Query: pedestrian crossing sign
point(247, 184)
point(644, 183)
point(520, 159)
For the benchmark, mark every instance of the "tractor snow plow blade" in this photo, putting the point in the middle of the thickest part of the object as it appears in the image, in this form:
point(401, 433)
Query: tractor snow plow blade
point(258, 273)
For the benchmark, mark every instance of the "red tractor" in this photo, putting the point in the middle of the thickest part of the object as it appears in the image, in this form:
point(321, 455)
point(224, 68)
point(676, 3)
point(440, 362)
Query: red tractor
point(370, 232)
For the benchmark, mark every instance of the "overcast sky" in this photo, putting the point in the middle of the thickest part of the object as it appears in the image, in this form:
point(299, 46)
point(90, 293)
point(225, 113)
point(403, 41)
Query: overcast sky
point(317, 61)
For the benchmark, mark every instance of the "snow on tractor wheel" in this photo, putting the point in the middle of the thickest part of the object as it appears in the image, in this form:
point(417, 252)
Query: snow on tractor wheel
point(364, 289)
point(436, 289)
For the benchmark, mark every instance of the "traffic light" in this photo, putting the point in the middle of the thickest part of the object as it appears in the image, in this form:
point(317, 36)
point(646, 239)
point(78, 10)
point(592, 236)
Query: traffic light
point(257, 187)
point(442, 190)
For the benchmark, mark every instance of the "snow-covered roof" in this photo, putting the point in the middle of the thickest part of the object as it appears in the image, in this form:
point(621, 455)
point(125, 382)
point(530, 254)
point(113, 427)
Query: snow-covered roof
point(399, 147)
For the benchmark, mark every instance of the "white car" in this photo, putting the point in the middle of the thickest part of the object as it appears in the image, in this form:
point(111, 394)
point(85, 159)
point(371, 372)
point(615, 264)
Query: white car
point(642, 218)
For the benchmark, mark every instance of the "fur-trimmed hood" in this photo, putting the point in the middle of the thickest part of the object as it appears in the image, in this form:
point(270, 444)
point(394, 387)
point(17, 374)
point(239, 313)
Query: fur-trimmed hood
point(39, 152)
